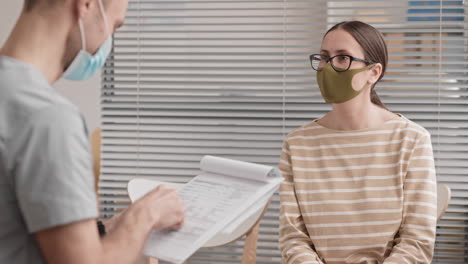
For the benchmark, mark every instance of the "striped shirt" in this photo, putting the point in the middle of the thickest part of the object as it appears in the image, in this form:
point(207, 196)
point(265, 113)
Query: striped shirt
point(362, 196)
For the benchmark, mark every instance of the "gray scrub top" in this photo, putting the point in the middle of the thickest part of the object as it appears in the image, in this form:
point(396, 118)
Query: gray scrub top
point(46, 176)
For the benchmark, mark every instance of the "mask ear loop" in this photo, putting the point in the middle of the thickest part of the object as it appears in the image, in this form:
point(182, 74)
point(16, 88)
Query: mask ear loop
point(370, 67)
point(104, 16)
point(82, 30)
point(82, 33)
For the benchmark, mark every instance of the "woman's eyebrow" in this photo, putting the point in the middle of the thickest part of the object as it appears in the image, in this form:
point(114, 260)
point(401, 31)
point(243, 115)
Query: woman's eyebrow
point(338, 51)
point(343, 51)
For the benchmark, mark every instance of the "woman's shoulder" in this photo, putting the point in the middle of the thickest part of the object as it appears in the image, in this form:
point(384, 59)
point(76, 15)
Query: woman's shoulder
point(401, 125)
point(309, 129)
point(404, 124)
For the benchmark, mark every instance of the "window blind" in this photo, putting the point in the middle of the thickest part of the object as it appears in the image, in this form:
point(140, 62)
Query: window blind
point(188, 78)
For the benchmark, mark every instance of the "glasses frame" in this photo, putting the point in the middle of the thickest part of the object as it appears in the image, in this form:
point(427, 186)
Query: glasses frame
point(330, 59)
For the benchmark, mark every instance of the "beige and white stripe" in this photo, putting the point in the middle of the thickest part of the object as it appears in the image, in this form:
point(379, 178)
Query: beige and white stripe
point(357, 196)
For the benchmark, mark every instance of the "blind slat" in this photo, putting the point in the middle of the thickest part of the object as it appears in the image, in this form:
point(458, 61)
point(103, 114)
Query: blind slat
point(232, 78)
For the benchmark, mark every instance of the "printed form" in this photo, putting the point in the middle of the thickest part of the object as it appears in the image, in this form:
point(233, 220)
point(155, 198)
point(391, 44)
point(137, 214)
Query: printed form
point(213, 202)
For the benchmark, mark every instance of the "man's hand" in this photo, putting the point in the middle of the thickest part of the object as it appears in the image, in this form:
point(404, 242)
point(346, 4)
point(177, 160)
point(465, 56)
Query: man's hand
point(78, 242)
point(163, 201)
point(165, 206)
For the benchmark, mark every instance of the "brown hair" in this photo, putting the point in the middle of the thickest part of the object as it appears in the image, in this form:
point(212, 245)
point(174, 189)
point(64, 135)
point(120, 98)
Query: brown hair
point(30, 4)
point(373, 45)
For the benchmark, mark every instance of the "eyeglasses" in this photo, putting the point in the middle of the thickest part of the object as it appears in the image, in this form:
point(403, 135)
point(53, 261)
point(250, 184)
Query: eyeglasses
point(340, 63)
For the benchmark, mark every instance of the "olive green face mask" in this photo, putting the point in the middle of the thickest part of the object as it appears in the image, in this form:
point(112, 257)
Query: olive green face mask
point(336, 87)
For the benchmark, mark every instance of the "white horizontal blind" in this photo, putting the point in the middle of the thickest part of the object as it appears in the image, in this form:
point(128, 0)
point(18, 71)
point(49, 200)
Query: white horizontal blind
point(230, 78)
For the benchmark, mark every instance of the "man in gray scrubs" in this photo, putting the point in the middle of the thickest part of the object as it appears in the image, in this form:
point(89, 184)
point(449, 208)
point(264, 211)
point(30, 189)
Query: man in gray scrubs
point(47, 200)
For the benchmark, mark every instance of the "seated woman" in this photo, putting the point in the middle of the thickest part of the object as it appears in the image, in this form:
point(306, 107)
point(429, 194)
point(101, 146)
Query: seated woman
point(360, 183)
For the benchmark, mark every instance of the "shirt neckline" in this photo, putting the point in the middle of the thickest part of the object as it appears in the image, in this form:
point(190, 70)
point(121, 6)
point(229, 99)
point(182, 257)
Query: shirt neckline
point(383, 125)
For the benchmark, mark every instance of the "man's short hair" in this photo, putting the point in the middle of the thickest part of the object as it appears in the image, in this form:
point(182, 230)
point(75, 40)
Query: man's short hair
point(30, 4)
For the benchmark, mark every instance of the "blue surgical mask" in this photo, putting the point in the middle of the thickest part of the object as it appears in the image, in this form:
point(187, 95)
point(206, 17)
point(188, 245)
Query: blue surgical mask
point(85, 65)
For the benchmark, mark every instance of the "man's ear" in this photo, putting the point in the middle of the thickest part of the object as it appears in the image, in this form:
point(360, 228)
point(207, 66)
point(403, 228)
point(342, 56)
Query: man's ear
point(376, 72)
point(82, 7)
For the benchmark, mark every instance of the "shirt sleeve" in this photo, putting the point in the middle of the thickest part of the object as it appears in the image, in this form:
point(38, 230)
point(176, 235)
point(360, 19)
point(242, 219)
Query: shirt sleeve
point(53, 169)
point(295, 244)
point(414, 242)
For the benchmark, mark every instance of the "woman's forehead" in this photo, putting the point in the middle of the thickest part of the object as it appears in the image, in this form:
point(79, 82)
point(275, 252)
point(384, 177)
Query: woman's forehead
point(340, 41)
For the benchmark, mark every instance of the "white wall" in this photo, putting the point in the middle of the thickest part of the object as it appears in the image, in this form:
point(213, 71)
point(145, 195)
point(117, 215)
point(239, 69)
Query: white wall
point(83, 94)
